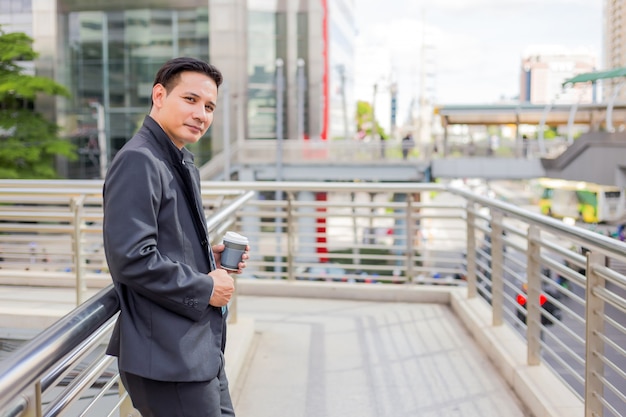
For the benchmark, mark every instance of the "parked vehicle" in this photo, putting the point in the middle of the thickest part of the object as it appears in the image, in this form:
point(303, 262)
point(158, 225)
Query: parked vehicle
point(591, 203)
point(550, 310)
point(322, 272)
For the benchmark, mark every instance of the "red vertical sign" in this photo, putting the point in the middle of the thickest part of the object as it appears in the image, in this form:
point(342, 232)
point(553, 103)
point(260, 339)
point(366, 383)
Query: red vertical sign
point(322, 248)
point(325, 80)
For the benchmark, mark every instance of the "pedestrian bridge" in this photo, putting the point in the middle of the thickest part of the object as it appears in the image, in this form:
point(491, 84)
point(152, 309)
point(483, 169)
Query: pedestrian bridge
point(458, 157)
point(359, 300)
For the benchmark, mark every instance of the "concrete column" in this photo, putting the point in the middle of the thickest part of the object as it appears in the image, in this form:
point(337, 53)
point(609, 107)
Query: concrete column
point(306, 244)
point(315, 66)
point(291, 70)
point(228, 50)
point(46, 43)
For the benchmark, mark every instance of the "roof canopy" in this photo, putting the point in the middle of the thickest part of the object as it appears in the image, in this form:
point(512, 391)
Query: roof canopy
point(524, 113)
point(598, 75)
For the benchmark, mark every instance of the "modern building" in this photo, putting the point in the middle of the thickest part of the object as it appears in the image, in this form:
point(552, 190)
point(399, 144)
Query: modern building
point(614, 38)
point(545, 68)
point(107, 52)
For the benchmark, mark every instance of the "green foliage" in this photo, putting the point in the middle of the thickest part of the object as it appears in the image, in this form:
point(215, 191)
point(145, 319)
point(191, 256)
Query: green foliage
point(29, 143)
point(363, 114)
point(364, 119)
point(550, 133)
point(29, 149)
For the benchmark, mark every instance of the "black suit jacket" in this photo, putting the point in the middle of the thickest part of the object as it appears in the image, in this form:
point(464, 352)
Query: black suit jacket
point(159, 260)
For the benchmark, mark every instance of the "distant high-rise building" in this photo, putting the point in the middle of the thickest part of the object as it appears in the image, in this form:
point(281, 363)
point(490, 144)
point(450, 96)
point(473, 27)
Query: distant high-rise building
point(614, 46)
point(106, 52)
point(544, 69)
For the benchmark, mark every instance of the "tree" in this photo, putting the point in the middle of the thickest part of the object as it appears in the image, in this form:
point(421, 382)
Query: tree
point(29, 143)
point(364, 119)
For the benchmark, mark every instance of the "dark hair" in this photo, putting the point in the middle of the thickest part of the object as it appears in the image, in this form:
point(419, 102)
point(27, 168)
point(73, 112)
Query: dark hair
point(169, 73)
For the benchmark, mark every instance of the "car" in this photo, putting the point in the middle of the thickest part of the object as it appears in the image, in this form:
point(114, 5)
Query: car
point(551, 311)
point(323, 272)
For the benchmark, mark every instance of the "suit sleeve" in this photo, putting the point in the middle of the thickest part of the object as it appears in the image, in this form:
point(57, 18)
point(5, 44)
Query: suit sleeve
point(133, 192)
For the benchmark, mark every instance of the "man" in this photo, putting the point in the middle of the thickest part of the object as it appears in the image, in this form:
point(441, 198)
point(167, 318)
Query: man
point(171, 332)
point(407, 145)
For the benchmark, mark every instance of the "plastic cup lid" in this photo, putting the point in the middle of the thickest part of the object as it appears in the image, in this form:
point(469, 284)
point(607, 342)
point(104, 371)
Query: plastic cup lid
point(236, 238)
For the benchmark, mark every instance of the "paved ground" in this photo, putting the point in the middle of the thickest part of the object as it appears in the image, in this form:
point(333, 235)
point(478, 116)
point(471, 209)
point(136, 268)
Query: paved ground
point(327, 358)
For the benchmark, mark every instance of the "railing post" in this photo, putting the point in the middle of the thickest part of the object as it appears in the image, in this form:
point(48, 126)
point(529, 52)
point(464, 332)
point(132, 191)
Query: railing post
point(470, 256)
point(594, 313)
point(533, 315)
point(356, 250)
point(410, 235)
point(291, 234)
point(497, 269)
point(77, 210)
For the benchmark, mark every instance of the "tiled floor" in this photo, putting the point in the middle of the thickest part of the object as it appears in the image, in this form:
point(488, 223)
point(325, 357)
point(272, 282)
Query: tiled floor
point(330, 358)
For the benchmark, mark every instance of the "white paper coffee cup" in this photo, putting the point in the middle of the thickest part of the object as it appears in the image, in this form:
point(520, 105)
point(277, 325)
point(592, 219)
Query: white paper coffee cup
point(235, 245)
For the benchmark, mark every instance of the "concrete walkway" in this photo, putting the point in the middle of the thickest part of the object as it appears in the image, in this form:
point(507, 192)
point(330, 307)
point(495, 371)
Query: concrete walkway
point(327, 358)
point(307, 349)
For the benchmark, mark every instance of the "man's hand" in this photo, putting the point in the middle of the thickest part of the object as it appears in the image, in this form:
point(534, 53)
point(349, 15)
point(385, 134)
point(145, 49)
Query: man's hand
point(217, 252)
point(223, 288)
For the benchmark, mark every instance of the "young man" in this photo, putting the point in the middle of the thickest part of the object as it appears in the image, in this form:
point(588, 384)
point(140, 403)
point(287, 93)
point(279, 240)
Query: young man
point(171, 332)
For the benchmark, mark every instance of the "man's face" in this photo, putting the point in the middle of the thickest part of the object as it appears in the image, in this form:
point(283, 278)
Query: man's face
point(186, 112)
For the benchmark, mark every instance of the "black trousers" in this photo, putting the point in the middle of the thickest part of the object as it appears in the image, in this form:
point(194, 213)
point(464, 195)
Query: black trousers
point(179, 399)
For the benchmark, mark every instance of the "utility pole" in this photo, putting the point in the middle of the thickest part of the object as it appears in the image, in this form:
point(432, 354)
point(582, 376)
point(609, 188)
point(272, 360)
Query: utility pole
point(342, 76)
point(374, 111)
point(301, 88)
point(424, 116)
point(394, 105)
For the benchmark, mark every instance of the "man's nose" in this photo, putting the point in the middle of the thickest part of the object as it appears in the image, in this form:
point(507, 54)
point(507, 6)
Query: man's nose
point(201, 113)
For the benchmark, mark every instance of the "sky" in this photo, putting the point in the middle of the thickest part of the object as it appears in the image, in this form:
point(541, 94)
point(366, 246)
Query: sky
point(472, 49)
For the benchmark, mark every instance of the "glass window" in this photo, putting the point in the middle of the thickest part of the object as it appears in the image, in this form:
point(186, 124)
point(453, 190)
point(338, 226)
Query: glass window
point(114, 57)
point(267, 42)
point(5, 6)
point(24, 6)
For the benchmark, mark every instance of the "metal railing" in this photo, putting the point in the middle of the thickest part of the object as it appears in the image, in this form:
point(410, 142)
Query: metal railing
point(64, 370)
point(562, 287)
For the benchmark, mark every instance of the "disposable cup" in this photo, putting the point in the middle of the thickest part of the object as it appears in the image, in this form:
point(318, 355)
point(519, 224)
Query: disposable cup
point(235, 245)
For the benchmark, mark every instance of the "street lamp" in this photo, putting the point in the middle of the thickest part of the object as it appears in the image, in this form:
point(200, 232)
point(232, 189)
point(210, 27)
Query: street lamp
point(301, 87)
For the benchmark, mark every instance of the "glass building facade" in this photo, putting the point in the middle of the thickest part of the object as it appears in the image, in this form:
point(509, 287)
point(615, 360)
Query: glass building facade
point(267, 43)
point(341, 38)
point(16, 16)
point(113, 57)
point(278, 30)
point(106, 52)
point(316, 41)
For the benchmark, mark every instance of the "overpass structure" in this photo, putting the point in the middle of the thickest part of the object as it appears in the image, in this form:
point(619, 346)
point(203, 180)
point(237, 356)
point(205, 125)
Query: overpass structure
point(595, 157)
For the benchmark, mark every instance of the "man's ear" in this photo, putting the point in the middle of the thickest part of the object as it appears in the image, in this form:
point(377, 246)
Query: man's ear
point(158, 94)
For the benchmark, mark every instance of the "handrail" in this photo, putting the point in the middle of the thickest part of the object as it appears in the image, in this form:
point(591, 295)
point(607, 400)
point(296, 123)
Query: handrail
point(26, 366)
point(590, 238)
point(37, 362)
point(215, 220)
